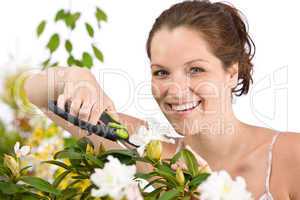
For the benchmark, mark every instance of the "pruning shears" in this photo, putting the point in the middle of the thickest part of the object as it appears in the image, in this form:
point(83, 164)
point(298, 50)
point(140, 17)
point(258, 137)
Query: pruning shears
point(107, 127)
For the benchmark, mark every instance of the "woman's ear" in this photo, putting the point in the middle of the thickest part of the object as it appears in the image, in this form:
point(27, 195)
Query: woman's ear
point(233, 75)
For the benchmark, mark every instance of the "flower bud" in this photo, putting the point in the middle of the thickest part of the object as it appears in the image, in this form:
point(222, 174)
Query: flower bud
point(180, 176)
point(12, 164)
point(154, 150)
point(205, 169)
point(89, 149)
point(101, 149)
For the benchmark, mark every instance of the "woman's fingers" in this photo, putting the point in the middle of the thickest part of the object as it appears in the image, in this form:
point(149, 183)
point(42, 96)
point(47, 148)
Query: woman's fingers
point(75, 106)
point(85, 110)
point(64, 99)
point(61, 101)
point(96, 112)
point(87, 101)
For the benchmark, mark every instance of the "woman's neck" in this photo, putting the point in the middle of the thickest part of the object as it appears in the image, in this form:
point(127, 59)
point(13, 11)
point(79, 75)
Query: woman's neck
point(223, 143)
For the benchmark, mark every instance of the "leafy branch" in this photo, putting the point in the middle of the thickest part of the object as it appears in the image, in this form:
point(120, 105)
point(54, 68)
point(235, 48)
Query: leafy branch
point(71, 20)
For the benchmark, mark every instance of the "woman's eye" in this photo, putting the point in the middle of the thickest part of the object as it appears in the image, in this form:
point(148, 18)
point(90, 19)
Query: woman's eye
point(160, 73)
point(197, 70)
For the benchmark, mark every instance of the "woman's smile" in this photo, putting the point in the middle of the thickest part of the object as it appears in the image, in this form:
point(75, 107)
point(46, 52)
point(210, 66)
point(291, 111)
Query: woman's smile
point(184, 109)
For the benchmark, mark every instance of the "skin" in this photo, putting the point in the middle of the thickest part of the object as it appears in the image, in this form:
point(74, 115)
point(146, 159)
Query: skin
point(211, 130)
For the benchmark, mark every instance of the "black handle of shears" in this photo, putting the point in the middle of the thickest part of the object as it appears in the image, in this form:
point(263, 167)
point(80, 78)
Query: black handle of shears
point(100, 130)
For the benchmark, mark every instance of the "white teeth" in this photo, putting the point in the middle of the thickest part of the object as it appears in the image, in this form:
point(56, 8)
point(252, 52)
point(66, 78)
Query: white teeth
point(185, 106)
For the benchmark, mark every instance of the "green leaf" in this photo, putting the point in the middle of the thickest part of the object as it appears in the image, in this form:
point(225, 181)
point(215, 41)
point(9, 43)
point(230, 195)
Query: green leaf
point(115, 152)
point(154, 194)
point(195, 182)
point(86, 192)
point(71, 19)
point(54, 64)
point(176, 157)
point(89, 29)
point(170, 195)
point(40, 184)
point(60, 15)
point(80, 177)
point(57, 163)
point(4, 171)
point(60, 177)
point(98, 53)
point(41, 27)
point(76, 16)
point(23, 170)
point(32, 196)
point(68, 46)
point(70, 142)
point(191, 162)
point(46, 63)
point(70, 185)
point(100, 15)
point(87, 60)
point(53, 43)
point(69, 193)
point(71, 60)
point(83, 142)
point(68, 154)
point(78, 63)
point(166, 168)
point(94, 160)
point(156, 181)
point(10, 188)
point(168, 176)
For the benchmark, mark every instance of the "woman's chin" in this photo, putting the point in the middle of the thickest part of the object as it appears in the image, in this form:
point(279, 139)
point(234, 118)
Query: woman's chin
point(185, 131)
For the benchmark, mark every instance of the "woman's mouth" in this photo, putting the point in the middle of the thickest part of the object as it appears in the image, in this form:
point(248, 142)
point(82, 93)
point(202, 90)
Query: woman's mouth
point(183, 109)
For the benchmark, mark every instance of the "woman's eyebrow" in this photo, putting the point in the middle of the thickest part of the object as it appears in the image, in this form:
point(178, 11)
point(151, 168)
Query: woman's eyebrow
point(195, 60)
point(158, 65)
point(189, 62)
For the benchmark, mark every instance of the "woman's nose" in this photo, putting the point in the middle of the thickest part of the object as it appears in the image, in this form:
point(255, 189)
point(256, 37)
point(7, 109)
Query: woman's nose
point(179, 87)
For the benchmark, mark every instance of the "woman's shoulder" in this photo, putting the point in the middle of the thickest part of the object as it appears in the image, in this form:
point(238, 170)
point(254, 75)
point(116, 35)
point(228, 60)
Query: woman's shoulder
point(287, 159)
point(287, 148)
point(289, 144)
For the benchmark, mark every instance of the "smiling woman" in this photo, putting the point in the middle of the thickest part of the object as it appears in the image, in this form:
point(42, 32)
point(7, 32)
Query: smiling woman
point(201, 55)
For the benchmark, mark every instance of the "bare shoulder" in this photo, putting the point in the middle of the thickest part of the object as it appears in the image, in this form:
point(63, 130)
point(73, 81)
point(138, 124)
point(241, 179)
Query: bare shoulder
point(289, 145)
point(287, 151)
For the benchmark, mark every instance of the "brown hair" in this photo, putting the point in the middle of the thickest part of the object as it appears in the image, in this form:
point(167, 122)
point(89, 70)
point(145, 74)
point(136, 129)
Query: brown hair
point(222, 27)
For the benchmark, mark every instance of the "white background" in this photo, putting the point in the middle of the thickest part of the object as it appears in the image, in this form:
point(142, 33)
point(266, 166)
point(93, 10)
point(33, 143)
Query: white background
point(272, 102)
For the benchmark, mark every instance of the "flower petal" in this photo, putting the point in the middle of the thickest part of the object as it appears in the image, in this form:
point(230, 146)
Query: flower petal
point(25, 150)
point(17, 147)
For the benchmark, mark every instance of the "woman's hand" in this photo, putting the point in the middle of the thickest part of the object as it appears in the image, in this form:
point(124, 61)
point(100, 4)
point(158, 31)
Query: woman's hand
point(78, 88)
point(85, 98)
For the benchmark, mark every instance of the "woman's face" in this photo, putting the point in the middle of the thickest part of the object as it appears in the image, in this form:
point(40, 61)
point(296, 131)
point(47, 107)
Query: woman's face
point(188, 81)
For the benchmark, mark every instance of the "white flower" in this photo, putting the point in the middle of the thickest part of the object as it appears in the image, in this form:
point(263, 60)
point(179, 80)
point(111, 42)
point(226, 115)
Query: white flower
point(23, 151)
point(132, 192)
point(113, 179)
point(220, 186)
point(143, 136)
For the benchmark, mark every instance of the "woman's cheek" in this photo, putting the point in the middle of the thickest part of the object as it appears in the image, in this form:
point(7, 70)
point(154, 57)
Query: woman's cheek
point(206, 89)
point(156, 89)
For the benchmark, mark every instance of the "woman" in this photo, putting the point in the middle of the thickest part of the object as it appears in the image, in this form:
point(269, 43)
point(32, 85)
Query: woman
point(201, 55)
